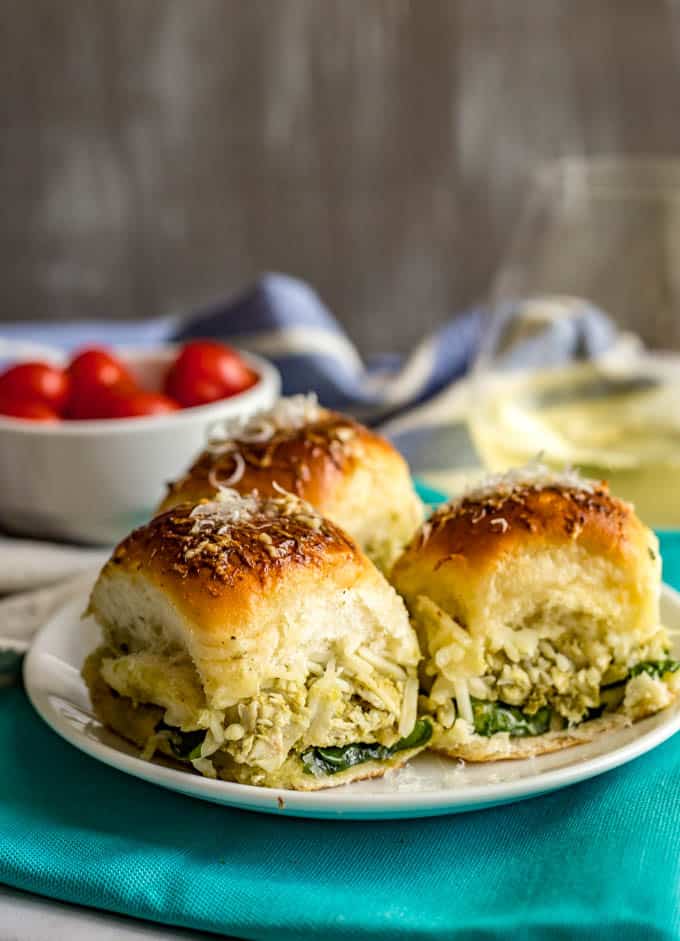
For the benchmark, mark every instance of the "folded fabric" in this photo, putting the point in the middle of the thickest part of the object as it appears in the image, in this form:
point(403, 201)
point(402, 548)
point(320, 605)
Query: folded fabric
point(596, 861)
point(285, 320)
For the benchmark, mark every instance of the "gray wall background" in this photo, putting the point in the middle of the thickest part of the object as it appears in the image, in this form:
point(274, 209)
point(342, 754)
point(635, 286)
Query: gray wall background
point(156, 154)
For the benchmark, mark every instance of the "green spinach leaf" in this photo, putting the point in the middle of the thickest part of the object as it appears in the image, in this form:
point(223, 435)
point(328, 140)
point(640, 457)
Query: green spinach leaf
point(655, 667)
point(184, 745)
point(492, 717)
point(331, 760)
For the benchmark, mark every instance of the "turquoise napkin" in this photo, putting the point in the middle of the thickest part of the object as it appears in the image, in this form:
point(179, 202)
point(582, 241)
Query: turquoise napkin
point(596, 861)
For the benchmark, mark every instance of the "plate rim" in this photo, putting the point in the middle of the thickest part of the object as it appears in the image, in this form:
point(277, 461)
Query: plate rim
point(330, 803)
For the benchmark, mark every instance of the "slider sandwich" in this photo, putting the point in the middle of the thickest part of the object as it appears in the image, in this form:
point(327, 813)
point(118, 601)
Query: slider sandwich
point(536, 600)
point(350, 474)
point(251, 639)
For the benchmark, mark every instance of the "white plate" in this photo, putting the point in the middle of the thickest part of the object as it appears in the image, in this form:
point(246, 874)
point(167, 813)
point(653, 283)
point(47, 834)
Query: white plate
point(428, 786)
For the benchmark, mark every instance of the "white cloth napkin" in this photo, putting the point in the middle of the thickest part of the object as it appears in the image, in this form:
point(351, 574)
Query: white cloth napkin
point(26, 564)
point(36, 578)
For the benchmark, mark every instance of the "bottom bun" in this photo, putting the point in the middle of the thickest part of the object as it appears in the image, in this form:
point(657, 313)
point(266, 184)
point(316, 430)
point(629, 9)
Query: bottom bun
point(502, 747)
point(292, 777)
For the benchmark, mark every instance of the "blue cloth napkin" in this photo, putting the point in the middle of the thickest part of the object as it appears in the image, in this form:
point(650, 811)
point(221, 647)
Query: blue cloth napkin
point(596, 861)
point(285, 320)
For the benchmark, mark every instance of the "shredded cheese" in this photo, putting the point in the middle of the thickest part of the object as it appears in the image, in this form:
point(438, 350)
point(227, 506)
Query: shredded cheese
point(463, 699)
point(288, 414)
point(533, 475)
point(230, 508)
point(409, 707)
point(205, 767)
point(388, 667)
point(234, 477)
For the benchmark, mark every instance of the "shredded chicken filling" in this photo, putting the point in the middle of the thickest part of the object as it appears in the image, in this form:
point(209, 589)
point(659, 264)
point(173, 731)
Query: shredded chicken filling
point(355, 696)
point(549, 673)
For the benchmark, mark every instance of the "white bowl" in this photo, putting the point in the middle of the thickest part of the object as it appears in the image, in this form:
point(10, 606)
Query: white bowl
point(93, 481)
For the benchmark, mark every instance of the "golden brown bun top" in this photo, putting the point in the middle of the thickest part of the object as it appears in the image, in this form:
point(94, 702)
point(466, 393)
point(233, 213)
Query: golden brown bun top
point(311, 460)
point(351, 475)
point(251, 588)
point(219, 561)
point(480, 528)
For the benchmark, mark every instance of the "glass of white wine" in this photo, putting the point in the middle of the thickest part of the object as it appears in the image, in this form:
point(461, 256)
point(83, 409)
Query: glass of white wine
point(578, 361)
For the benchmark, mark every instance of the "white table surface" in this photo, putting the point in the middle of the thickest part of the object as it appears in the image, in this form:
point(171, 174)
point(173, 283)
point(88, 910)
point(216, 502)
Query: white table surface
point(25, 917)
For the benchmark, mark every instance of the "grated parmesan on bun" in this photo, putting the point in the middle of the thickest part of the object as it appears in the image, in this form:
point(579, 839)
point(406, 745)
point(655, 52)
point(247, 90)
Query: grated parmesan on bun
point(536, 600)
point(252, 639)
point(350, 474)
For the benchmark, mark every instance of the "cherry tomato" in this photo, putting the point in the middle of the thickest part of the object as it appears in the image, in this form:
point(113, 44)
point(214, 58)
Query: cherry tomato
point(94, 373)
point(136, 403)
point(98, 403)
point(206, 371)
point(32, 409)
point(37, 382)
point(97, 367)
